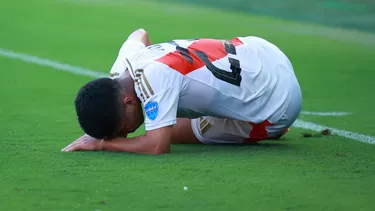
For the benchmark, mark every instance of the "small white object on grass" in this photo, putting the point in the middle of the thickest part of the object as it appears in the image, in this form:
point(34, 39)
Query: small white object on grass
point(185, 187)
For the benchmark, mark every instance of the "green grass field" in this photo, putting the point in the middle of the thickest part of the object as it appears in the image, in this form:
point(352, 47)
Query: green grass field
point(335, 68)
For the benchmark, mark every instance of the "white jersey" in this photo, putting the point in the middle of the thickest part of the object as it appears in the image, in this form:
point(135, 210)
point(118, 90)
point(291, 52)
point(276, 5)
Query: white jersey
point(245, 79)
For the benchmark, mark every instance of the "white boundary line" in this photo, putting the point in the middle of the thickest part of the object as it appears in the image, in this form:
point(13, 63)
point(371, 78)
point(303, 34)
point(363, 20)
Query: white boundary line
point(87, 72)
point(50, 63)
point(325, 113)
point(347, 134)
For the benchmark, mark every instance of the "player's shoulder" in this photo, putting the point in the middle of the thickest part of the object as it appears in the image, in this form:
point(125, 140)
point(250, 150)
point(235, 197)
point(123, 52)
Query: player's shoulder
point(159, 76)
point(150, 68)
point(153, 77)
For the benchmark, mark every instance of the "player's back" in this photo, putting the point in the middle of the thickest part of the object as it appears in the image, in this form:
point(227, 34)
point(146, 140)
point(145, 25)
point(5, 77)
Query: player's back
point(244, 78)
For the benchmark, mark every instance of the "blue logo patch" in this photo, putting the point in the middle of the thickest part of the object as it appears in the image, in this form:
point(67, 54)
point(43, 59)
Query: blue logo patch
point(152, 110)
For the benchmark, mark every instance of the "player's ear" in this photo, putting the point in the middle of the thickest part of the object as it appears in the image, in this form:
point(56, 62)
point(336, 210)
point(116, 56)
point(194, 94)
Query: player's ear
point(127, 101)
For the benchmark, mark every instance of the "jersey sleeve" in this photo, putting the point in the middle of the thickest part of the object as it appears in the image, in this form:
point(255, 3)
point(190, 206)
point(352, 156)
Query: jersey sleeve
point(159, 90)
point(127, 49)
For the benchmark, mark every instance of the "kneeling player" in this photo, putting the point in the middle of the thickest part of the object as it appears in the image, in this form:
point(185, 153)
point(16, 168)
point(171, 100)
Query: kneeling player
point(206, 91)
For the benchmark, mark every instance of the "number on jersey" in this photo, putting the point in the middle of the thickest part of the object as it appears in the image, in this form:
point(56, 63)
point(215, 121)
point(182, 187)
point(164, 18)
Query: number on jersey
point(233, 77)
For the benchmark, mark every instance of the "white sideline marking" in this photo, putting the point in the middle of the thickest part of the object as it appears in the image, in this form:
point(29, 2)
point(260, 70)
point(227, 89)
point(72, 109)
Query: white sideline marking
point(50, 63)
point(347, 134)
point(325, 113)
point(92, 73)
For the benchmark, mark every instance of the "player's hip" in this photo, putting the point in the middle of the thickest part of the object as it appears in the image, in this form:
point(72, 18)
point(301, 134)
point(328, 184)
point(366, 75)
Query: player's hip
point(211, 130)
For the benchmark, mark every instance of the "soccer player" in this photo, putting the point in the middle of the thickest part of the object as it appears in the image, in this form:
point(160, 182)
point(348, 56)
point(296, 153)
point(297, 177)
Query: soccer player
point(191, 91)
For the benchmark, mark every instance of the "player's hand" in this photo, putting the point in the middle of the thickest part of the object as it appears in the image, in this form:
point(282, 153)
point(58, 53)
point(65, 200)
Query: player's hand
point(84, 143)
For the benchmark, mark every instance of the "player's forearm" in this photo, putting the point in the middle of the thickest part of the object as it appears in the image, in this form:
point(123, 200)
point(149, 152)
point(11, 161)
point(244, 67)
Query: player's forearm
point(139, 144)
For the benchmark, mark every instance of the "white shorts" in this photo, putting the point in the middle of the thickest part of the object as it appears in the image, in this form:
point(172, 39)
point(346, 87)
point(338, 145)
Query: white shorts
point(210, 130)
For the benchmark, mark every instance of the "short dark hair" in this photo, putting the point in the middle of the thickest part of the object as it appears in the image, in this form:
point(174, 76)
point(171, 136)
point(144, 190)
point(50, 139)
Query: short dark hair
point(98, 107)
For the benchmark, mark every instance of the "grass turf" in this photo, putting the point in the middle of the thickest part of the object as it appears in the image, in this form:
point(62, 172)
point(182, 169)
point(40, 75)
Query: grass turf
point(37, 117)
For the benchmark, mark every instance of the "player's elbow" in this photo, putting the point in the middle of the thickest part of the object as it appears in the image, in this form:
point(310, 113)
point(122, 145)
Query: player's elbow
point(159, 141)
point(157, 147)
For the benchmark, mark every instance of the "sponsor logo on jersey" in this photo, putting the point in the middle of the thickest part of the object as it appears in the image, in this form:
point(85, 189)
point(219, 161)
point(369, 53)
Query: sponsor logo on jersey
point(152, 110)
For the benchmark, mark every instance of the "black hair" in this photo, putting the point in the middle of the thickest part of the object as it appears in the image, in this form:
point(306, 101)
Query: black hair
point(98, 107)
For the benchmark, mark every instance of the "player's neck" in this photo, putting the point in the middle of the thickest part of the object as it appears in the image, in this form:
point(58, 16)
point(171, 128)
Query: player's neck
point(127, 83)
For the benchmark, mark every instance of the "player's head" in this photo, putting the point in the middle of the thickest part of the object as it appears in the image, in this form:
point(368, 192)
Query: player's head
point(106, 108)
